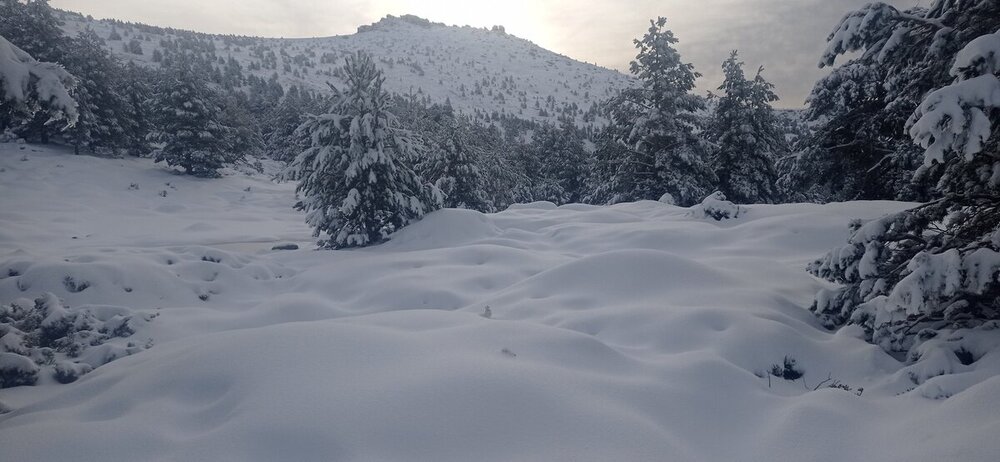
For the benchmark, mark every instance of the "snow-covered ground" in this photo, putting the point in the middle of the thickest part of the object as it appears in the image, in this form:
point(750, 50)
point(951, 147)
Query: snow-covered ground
point(637, 332)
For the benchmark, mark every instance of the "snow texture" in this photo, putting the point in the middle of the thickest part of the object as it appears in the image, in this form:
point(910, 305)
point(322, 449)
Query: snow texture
point(631, 332)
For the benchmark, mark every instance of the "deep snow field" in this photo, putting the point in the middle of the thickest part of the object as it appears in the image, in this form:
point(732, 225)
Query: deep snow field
point(636, 332)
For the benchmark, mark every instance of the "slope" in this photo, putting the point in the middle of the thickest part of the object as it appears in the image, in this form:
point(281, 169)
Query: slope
point(480, 71)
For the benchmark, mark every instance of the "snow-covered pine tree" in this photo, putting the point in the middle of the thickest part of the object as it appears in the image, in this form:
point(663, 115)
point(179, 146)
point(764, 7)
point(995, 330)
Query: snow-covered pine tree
point(860, 150)
point(909, 275)
point(661, 154)
point(746, 135)
point(354, 180)
point(101, 104)
point(29, 87)
point(188, 123)
point(281, 140)
point(562, 176)
point(453, 166)
point(244, 135)
point(504, 179)
point(137, 92)
point(32, 26)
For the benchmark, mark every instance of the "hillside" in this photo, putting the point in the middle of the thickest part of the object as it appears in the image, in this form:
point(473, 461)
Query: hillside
point(479, 71)
point(632, 332)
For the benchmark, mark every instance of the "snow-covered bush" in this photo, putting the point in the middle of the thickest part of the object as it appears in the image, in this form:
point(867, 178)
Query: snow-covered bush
point(936, 266)
point(41, 335)
point(787, 370)
point(716, 207)
point(28, 86)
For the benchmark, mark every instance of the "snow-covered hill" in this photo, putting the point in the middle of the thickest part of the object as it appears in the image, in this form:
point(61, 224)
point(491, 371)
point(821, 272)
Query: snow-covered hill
point(633, 332)
point(476, 69)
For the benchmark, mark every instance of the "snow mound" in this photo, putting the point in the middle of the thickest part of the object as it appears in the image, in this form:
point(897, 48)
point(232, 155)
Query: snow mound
point(716, 207)
point(445, 228)
point(632, 332)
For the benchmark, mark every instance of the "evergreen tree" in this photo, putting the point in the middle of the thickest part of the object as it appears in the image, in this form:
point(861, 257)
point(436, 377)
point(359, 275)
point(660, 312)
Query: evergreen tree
point(452, 165)
point(563, 170)
point(136, 117)
point(101, 106)
point(655, 126)
point(32, 27)
point(744, 129)
point(860, 150)
point(354, 179)
point(188, 124)
point(909, 275)
point(244, 139)
point(30, 89)
point(281, 140)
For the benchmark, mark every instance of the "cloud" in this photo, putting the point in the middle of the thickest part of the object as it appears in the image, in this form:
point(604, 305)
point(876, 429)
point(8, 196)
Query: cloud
point(785, 36)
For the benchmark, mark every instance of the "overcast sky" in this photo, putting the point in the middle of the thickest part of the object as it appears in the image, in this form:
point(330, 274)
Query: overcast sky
point(785, 36)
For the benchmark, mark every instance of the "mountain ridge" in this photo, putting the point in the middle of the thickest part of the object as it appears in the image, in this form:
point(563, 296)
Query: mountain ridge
point(481, 72)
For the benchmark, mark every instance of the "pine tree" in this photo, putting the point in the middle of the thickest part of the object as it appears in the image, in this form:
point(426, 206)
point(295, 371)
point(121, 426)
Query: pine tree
point(188, 124)
point(655, 126)
point(32, 27)
point(934, 267)
point(453, 165)
point(354, 179)
point(563, 163)
point(31, 90)
point(860, 150)
point(747, 138)
point(136, 116)
point(244, 139)
point(101, 105)
point(281, 140)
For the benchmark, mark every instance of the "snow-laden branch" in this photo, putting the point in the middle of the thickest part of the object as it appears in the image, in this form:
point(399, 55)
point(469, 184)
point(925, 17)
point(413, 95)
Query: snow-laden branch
point(956, 117)
point(979, 57)
point(21, 77)
point(867, 27)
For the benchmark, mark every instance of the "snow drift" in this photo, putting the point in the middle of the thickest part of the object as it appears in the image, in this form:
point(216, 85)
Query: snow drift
point(637, 332)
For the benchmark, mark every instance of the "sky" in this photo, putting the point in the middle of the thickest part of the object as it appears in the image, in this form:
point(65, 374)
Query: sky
point(785, 36)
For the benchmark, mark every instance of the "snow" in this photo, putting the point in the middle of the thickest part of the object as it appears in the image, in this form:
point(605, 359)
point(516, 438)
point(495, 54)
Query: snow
point(953, 118)
point(980, 56)
point(420, 58)
point(716, 207)
point(20, 75)
point(631, 332)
